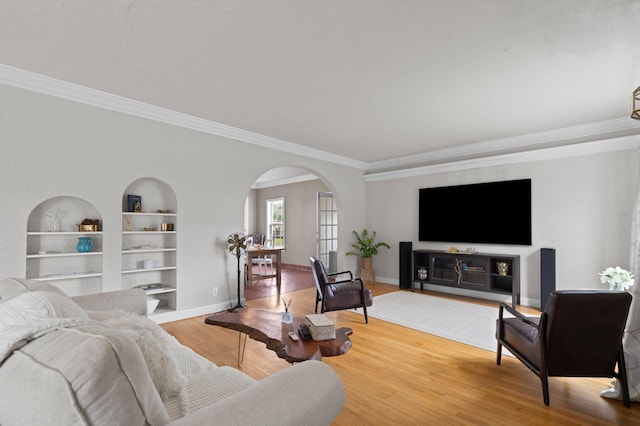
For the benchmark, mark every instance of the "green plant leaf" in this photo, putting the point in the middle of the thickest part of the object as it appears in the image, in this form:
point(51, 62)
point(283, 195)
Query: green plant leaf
point(365, 245)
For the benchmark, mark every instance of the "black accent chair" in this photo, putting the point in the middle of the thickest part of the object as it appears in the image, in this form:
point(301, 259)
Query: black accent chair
point(579, 334)
point(336, 295)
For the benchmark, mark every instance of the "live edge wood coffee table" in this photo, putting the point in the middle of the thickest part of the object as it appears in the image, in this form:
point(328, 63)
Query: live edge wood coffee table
point(267, 327)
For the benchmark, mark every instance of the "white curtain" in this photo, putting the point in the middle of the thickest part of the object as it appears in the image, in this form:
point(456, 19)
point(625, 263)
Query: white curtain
point(631, 340)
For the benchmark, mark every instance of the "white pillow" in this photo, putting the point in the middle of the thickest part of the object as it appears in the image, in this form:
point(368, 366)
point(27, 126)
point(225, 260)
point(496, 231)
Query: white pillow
point(154, 344)
point(12, 287)
point(38, 305)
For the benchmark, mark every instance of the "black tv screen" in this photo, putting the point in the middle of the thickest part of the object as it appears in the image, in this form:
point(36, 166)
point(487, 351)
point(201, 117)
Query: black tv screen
point(482, 213)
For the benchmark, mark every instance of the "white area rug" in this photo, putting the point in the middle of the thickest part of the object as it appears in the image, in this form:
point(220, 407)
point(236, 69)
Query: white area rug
point(462, 322)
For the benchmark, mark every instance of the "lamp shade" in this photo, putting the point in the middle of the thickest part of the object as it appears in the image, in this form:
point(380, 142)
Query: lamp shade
point(635, 104)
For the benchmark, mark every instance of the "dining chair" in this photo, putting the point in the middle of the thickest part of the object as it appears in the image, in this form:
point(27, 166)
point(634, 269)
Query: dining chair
point(267, 259)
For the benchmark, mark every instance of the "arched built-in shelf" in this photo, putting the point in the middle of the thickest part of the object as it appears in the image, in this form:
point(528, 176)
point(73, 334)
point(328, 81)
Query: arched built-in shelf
point(149, 241)
point(52, 245)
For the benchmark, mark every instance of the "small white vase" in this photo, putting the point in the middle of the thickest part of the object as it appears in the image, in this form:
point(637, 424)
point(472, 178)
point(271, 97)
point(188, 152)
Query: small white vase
point(287, 317)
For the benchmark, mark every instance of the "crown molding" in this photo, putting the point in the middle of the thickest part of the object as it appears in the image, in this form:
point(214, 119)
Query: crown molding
point(522, 142)
point(27, 80)
point(406, 165)
point(565, 151)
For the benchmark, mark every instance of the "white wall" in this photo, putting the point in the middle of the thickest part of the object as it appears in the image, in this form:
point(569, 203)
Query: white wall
point(53, 147)
point(300, 218)
point(581, 206)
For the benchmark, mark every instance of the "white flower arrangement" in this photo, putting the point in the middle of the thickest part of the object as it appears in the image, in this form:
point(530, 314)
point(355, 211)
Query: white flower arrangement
point(617, 278)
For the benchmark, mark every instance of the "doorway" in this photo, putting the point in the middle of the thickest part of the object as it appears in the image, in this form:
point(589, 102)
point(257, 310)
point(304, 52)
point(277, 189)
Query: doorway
point(306, 212)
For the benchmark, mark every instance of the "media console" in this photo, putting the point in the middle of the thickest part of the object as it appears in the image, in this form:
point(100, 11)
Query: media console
point(493, 273)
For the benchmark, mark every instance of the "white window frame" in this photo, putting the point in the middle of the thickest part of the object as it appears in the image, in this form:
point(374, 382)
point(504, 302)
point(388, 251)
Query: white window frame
point(327, 230)
point(276, 228)
point(246, 216)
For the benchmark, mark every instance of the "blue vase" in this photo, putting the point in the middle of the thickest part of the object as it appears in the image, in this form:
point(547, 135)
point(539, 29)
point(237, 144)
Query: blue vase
point(84, 244)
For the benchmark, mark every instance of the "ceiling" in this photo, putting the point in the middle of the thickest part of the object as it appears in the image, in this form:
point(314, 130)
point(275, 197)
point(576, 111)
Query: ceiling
point(368, 80)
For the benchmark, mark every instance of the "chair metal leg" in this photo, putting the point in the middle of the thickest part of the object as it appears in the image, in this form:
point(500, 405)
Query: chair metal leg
point(499, 336)
point(544, 373)
point(323, 300)
point(544, 370)
point(545, 388)
point(622, 376)
point(363, 298)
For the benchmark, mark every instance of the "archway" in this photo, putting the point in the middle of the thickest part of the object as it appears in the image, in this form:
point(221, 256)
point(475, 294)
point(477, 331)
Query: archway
point(310, 215)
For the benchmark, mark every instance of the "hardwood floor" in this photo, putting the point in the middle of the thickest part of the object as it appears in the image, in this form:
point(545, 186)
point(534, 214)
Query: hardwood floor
point(395, 375)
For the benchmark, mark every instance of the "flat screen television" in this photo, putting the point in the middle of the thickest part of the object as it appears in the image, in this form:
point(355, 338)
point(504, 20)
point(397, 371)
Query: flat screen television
point(482, 213)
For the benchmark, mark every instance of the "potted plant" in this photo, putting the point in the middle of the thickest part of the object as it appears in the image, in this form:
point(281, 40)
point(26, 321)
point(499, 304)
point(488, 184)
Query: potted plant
point(366, 247)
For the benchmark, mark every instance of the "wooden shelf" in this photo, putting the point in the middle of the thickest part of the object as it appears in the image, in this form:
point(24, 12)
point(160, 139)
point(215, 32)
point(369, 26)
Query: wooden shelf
point(147, 232)
point(148, 214)
point(62, 233)
point(159, 291)
point(43, 255)
point(149, 250)
point(157, 268)
point(59, 277)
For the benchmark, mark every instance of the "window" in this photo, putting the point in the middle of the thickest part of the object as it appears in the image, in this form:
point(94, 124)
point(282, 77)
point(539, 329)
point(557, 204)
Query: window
point(275, 221)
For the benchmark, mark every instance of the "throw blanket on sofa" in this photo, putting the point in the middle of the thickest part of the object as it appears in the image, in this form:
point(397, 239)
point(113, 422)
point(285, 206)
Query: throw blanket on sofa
point(154, 344)
point(28, 315)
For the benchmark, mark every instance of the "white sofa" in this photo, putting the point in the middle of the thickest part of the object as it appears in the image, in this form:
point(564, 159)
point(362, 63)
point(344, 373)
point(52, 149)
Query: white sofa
point(98, 360)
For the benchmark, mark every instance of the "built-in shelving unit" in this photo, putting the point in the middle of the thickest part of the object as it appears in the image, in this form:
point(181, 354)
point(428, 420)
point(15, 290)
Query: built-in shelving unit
point(493, 273)
point(52, 246)
point(149, 241)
